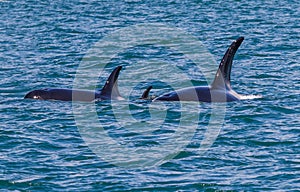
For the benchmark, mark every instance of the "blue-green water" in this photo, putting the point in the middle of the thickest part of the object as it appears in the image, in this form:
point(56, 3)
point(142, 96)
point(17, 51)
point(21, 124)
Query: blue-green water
point(43, 43)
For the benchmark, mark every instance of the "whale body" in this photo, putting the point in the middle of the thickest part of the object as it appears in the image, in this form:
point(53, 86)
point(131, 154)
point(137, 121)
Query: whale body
point(108, 92)
point(219, 91)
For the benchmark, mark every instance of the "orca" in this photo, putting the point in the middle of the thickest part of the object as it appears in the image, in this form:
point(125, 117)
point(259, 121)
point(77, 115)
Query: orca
point(145, 95)
point(219, 91)
point(108, 92)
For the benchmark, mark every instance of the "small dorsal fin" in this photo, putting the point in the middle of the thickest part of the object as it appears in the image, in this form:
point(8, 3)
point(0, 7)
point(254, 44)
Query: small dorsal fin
point(145, 95)
point(223, 74)
point(110, 89)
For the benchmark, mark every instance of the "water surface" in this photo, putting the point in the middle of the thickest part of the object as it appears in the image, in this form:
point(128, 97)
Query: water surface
point(43, 43)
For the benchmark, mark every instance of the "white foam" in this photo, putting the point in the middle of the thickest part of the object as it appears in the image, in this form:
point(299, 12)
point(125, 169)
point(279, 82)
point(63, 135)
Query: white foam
point(244, 97)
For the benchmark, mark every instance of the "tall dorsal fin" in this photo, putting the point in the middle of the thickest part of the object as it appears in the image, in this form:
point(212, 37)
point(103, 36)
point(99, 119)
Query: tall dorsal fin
point(110, 89)
point(223, 74)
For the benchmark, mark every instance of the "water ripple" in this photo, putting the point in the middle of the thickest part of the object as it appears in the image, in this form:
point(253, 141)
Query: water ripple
point(43, 43)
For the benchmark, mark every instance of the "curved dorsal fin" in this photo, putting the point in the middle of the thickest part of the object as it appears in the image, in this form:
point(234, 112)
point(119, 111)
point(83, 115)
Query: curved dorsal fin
point(223, 74)
point(110, 89)
point(145, 95)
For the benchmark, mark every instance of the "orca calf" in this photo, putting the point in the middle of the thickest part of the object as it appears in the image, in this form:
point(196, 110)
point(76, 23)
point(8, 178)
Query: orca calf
point(108, 92)
point(145, 95)
point(219, 91)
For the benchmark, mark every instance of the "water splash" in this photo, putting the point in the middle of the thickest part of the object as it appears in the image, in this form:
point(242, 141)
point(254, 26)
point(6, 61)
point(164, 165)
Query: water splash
point(247, 97)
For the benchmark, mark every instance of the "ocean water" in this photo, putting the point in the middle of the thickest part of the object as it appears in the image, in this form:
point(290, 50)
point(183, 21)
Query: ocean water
point(250, 145)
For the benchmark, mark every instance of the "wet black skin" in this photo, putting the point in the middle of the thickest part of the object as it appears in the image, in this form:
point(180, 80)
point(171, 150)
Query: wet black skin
point(108, 92)
point(219, 91)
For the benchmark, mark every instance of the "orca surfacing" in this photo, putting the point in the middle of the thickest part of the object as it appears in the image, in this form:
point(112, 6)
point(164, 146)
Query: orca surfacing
point(219, 91)
point(108, 92)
